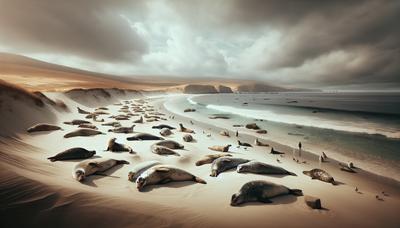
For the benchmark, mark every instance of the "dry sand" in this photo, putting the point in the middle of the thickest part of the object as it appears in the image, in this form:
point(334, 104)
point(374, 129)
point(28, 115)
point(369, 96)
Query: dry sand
point(37, 192)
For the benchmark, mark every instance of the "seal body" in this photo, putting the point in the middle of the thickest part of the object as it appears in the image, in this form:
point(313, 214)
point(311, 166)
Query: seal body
point(170, 144)
point(138, 169)
point(244, 144)
point(113, 124)
point(43, 127)
point(89, 167)
point(258, 143)
point(73, 153)
point(220, 148)
point(81, 111)
point(82, 132)
point(118, 147)
point(162, 174)
point(262, 168)
point(161, 126)
point(90, 126)
point(162, 150)
point(187, 138)
point(184, 129)
point(124, 130)
point(210, 158)
point(165, 132)
point(223, 164)
point(144, 136)
point(261, 191)
point(321, 175)
point(77, 122)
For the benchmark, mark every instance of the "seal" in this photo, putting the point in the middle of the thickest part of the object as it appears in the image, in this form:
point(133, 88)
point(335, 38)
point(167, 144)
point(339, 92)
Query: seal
point(220, 148)
point(144, 136)
point(81, 111)
point(118, 147)
point(162, 174)
point(162, 150)
point(261, 191)
point(170, 144)
point(138, 169)
point(223, 164)
point(77, 122)
point(83, 132)
point(321, 175)
point(90, 126)
point(275, 151)
point(184, 129)
point(210, 158)
point(262, 168)
point(94, 166)
point(161, 126)
point(43, 127)
point(224, 133)
point(252, 126)
point(244, 144)
point(124, 130)
point(140, 120)
point(261, 131)
point(187, 138)
point(165, 132)
point(73, 153)
point(258, 143)
point(113, 124)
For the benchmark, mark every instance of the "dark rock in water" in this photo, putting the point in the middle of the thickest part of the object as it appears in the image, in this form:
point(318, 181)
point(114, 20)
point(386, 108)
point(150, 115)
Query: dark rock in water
point(253, 126)
point(313, 202)
point(199, 89)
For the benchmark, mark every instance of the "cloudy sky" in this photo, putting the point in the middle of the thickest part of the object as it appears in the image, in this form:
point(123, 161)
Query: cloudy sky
point(327, 44)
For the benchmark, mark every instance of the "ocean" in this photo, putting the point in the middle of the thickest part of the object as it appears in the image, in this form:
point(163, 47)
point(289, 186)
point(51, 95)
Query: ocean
point(360, 127)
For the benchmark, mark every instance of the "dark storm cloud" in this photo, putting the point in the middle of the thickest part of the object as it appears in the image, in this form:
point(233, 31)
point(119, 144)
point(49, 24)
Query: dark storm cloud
point(88, 29)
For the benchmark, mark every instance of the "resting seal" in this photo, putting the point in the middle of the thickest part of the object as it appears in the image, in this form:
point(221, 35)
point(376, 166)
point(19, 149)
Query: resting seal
point(258, 143)
point(113, 124)
point(161, 126)
point(118, 147)
point(93, 166)
point(220, 148)
point(170, 144)
point(184, 129)
point(275, 151)
point(224, 133)
point(187, 138)
point(222, 164)
point(321, 175)
point(43, 127)
point(81, 111)
point(162, 150)
point(83, 132)
point(261, 191)
point(210, 158)
point(244, 144)
point(140, 120)
point(138, 169)
point(162, 174)
point(124, 130)
point(165, 132)
point(262, 168)
point(73, 153)
point(144, 136)
point(77, 122)
point(90, 126)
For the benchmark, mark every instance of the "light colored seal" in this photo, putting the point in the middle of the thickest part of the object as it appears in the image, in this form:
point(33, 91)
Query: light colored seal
point(73, 153)
point(210, 158)
point(321, 175)
point(220, 148)
point(118, 147)
point(170, 144)
point(261, 191)
point(43, 127)
point(144, 136)
point(165, 132)
point(77, 122)
point(187, 138)
point(94, 166)
point(262, 168)
point(223, 164)
point(90, 126)
point(83, 132)
point(125, 130)
point(184, 129)
point(162, 174)
point(162, 150)
point(113, 124)
point(138, 169)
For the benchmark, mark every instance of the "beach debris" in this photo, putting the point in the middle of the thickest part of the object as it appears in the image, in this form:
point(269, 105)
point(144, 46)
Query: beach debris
point(313, 202)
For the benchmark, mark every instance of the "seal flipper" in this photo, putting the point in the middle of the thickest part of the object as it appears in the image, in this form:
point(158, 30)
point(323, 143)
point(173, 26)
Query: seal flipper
point(52, 159)
point(119, 162)
point(296, 192)
point(264, 200)
point(291, 173)
point(199, 180)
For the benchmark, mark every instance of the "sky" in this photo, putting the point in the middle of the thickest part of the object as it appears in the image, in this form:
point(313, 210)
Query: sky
point(307, 44)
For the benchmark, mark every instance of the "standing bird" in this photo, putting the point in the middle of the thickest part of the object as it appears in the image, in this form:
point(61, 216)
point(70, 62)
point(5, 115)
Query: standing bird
point(300, 149)
point(237, 133)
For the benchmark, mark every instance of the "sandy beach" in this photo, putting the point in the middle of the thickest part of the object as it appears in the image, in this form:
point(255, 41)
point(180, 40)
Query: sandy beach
point(35, 191)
